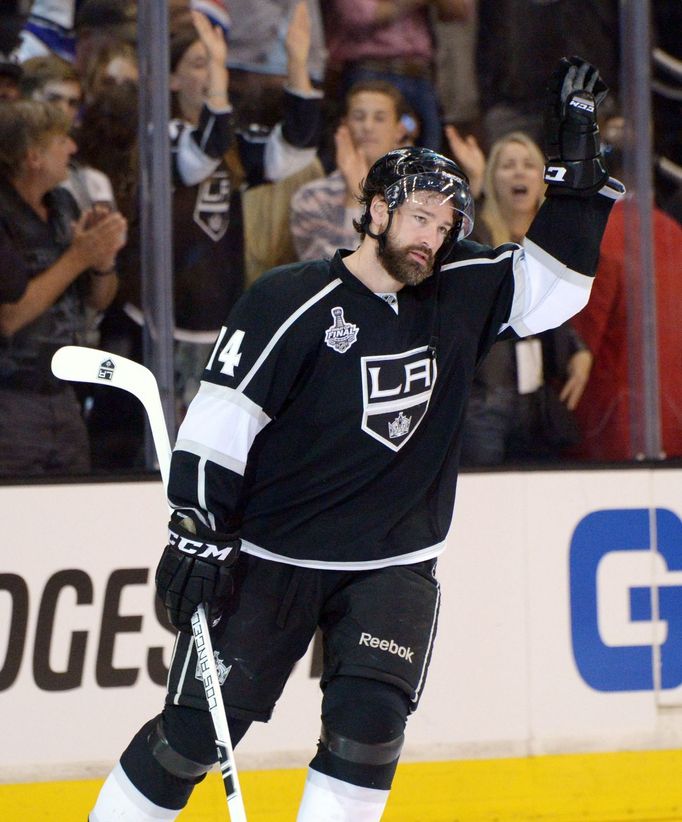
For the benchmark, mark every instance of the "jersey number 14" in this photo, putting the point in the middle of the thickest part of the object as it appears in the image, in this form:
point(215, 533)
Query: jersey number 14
point(229, 355)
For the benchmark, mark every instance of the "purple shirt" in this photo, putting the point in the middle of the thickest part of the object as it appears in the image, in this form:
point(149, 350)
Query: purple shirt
point(351, 34)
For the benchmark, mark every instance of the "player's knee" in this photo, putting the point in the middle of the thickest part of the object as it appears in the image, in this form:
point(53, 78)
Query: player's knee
point(165, 775)
point(173, 752)
point(191, 731)
point(173, 757)
point(363, 723)
point(170, 755)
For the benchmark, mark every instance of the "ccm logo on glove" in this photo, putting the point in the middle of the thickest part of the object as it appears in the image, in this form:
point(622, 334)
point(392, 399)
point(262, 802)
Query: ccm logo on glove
point(581, 103)
point(199, 548)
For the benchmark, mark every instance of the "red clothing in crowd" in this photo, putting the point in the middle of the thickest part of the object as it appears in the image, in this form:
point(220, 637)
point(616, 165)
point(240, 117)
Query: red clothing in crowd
point(604, 409)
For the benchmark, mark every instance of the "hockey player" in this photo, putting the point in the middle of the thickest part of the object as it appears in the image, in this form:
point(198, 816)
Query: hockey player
point(313, 479)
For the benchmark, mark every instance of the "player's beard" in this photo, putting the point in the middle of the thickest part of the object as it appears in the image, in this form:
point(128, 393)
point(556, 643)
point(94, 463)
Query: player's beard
point(403, 268)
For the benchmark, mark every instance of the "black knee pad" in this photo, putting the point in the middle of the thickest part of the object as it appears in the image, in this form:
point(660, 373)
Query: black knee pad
point(173, 752)
point(363, 723)
point(191, 731)
point(150, 776)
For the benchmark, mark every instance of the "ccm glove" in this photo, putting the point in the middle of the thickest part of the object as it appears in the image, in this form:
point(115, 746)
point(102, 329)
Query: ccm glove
point(195, 567)
point(574, 162)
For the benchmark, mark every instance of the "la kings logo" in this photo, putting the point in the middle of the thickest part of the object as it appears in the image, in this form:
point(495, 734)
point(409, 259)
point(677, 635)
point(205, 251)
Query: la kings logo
point(106, 370)
point(396, 391)
point(221, 668)
point(212, 207)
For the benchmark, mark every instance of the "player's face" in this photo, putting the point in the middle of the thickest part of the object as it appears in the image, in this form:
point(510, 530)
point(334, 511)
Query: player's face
point(190, 78)
point(517, 179)
point(374, 125)
point(419, 228)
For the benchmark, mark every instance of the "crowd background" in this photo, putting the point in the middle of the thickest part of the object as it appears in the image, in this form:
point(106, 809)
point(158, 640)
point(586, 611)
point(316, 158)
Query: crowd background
point(276, 109)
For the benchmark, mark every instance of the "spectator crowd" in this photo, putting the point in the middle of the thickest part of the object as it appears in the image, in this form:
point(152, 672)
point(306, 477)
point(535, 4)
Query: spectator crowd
point(278, 108)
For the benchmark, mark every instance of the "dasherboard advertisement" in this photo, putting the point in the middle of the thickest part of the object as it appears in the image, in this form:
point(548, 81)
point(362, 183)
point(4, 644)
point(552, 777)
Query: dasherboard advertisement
point(560, 627)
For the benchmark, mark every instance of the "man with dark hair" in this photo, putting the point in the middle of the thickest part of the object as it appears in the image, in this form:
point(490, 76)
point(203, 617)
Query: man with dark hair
point(313, 479)
point(323, 210)
point(52, 80)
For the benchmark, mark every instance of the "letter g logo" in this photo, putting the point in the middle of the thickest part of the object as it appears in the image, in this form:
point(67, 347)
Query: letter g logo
point(618, 614)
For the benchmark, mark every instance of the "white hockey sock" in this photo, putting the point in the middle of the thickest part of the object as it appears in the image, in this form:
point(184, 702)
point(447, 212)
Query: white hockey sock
point(120, 801)
point(329, 799)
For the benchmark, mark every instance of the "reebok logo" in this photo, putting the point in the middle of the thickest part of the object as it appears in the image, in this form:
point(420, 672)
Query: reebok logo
point(386, 645)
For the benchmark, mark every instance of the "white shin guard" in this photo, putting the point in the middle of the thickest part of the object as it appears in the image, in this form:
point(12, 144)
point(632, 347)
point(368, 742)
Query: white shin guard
point(331, 799)
point(120, 801)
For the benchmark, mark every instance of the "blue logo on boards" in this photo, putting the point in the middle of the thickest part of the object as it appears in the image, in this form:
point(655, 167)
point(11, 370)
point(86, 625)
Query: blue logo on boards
point(620, 540)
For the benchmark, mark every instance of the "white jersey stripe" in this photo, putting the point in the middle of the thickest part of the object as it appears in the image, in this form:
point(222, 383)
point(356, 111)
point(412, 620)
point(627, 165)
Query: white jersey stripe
point(478, 261)
point(183, 672)
point(557, 268)
point(401, 559)
point(205, 453)
point(432, 637)
point(284, 327)
point(222, 426)
point(170, 667)
point(546, 292)
point(193, 164)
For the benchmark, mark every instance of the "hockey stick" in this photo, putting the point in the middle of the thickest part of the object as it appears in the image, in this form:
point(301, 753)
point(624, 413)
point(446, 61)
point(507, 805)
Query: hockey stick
point(79, 364)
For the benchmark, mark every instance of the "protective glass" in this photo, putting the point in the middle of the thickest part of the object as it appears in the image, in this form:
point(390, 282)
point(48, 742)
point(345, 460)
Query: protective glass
point(454, 191)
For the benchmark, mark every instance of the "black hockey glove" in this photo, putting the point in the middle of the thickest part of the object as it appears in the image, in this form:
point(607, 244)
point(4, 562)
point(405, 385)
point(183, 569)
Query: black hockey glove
point(195, 567)
point(575, 166)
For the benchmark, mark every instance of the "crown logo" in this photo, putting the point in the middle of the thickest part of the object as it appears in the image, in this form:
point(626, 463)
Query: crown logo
point(221, 669)
point(399, 427)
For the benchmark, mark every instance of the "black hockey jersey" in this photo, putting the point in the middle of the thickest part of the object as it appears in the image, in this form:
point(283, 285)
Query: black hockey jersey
point(327, 430)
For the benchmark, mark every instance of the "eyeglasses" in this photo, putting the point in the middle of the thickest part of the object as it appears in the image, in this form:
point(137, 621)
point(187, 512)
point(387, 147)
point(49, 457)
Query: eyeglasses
point(55, 97)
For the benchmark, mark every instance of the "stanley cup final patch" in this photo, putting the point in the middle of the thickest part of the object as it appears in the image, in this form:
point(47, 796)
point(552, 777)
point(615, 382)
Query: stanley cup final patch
point(340, 335)
point(396, 391)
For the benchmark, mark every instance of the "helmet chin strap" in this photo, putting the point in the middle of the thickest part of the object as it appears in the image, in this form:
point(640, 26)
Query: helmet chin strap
point(381, 237)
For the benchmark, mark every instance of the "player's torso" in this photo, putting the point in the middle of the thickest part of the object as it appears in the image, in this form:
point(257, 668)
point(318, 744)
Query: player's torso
point(371, 420)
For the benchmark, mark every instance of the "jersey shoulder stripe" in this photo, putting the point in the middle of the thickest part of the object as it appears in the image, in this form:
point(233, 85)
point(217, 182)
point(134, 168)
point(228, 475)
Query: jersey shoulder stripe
point(480, 260)
point(284, 327)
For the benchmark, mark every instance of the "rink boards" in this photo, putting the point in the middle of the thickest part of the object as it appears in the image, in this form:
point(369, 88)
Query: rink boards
point(560, 630)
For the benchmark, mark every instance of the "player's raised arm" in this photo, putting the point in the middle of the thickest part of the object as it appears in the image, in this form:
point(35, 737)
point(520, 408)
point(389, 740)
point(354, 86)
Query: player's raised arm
point(561, 248)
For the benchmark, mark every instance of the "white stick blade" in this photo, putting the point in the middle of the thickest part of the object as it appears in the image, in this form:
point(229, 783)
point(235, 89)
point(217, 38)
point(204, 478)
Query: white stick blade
point(80, 364)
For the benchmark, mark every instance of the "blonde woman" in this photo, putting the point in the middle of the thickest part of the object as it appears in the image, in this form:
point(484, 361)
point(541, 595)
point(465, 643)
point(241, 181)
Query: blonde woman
point(525, 391)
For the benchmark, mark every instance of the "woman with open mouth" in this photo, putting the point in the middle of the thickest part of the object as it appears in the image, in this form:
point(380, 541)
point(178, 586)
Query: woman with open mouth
point(525, 390)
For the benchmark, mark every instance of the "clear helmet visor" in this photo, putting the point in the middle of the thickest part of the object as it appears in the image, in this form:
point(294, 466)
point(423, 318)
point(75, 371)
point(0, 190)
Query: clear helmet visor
point(450, 190)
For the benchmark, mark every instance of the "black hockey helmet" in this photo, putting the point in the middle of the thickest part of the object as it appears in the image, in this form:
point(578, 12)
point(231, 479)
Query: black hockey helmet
point(400, 173)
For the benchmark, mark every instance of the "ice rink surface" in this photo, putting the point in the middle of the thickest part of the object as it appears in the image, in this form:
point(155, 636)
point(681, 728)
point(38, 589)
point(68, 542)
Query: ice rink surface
point(614, 787)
